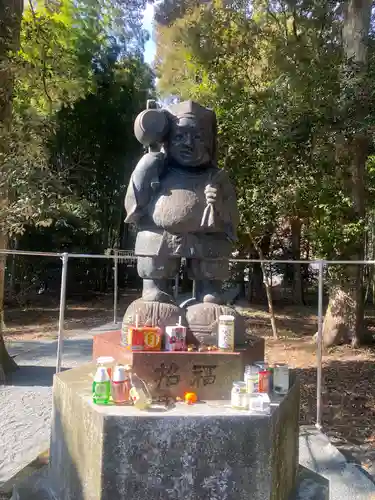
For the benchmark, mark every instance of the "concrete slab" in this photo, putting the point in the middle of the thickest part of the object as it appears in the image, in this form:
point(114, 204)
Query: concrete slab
point(207, 450)
point(346, 480)
point(310, 484)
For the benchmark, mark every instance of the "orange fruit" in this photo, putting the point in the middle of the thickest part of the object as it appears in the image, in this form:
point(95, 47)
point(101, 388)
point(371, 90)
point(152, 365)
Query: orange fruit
point(191, 398)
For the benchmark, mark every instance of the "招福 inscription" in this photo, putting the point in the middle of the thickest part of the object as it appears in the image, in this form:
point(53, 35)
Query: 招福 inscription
point(166, 375)
point(203, 375)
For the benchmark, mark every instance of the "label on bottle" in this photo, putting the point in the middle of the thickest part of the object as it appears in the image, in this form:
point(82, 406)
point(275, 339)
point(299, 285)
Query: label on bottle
point(226, 335)
point(101, 388)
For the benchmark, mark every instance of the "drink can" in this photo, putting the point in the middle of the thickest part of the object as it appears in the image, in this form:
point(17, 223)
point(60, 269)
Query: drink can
point(281, 378)
point(264, 381)
point(226, 333)
point(175, 338)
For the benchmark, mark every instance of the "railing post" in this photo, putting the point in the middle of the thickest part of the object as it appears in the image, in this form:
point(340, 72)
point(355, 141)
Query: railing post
point(60, 339)
point(176, 285)
point(194, 290)
point(319, 354)
point(115, 284)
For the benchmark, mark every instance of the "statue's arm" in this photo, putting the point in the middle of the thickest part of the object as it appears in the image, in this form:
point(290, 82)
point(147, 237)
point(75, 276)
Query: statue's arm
point(143, 182)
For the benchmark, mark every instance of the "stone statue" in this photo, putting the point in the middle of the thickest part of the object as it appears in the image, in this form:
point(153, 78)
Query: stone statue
point(184, 206)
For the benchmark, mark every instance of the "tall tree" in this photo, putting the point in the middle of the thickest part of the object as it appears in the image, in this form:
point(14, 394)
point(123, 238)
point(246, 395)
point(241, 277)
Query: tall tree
point(345, 315)
point(52, 65)
point(10, 26)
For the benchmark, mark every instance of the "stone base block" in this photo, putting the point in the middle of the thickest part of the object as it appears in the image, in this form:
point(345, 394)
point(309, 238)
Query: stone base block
point(204, 451)
point(209, 374)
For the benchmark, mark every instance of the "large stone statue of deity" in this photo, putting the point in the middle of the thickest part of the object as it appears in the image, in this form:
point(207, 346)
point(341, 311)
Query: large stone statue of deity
point(184, 206)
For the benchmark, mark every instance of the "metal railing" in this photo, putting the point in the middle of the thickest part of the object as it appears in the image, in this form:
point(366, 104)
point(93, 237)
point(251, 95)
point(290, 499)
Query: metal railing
point(124, 256)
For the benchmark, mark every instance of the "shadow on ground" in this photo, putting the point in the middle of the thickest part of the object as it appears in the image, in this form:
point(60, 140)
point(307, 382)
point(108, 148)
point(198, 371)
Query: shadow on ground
point(74, 350)
point(348, 396)
point(79, 311)
point(34, 375)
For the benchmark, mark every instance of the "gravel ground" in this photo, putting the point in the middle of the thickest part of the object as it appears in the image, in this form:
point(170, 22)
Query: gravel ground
point(26, 402)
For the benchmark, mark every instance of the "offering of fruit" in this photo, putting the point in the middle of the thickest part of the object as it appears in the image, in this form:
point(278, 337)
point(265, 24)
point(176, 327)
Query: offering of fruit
point(191, 398)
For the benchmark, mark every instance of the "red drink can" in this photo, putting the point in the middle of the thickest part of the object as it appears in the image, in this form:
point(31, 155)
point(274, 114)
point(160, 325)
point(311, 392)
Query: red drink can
point(264, 381)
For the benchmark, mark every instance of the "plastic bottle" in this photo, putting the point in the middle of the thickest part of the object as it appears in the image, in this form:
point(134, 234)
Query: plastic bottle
point(120, 385)
point(259, 403)
point(101, 387)
point(139, 393)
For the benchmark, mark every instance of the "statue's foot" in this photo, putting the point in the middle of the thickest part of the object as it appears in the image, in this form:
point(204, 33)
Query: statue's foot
point(152, 292)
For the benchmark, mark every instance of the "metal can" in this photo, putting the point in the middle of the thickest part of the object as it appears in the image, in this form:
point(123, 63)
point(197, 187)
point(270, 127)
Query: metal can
point(225, 339)
point(175, 338)
point(251, 378)
point(239, 397)
point(281, 378)
point(264, 381)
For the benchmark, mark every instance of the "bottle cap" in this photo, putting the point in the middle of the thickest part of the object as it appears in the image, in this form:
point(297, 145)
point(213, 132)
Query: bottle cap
point(119, 374)
point(226, 317)
point(101, 374)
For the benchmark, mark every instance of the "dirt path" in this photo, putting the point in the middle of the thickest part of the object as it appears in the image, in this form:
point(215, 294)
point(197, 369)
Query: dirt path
point(40, 323)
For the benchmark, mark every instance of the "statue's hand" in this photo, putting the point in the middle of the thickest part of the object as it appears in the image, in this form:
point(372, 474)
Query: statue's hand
point(211, 194)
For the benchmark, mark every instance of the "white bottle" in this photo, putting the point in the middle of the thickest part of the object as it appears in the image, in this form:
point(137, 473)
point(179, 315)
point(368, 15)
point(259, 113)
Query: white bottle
point(225, 333)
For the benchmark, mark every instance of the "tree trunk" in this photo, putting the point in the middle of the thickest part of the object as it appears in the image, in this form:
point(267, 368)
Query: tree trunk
point(268, 288)
point(7, 364)
point(10, 27)
point(295, 227)
point(344, 319)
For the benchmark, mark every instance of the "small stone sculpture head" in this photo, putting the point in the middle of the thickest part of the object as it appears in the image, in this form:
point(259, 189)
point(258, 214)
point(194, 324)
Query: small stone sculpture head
point(192, 134)
point(186, 130)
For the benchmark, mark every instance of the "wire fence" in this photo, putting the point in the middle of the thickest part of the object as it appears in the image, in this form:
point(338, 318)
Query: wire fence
point(274, 269)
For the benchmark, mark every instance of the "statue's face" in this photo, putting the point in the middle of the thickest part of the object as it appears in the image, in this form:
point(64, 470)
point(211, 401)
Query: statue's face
point(186, 143)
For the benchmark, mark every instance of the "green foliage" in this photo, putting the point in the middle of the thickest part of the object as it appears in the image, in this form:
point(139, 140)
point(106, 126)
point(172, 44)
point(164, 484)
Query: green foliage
point(79, 80)
point(274, 77)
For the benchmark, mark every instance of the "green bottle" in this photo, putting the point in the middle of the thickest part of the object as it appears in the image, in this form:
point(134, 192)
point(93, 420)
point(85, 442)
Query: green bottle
point(101, 387)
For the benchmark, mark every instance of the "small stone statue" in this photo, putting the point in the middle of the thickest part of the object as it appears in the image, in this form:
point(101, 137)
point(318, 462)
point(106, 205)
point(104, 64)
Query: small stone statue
point(183, 205)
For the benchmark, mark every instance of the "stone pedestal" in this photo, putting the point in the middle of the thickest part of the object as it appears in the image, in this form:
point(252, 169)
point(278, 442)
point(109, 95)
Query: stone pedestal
point(205, 451)
point(209, 374)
